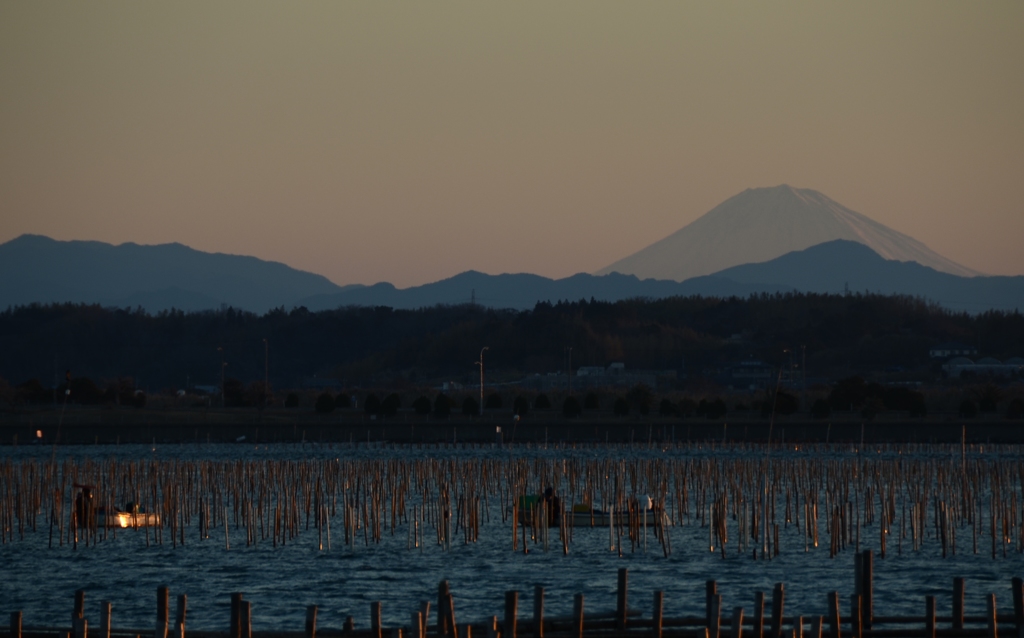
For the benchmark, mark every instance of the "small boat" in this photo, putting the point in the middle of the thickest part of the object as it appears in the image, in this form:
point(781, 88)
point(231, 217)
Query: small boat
point(596, 518)
point(532, 508)
point(117, 518)
point(89, 515)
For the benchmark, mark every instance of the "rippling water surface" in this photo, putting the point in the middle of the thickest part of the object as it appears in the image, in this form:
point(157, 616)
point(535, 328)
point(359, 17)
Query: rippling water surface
point(281, 581)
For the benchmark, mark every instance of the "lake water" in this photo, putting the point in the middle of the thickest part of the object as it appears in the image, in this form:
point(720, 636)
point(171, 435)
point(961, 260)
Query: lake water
point(280, 581)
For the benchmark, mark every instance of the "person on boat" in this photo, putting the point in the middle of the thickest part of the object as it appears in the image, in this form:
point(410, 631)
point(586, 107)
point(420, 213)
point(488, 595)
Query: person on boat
point(554, 506)
point(85, 508)
point(640, 504)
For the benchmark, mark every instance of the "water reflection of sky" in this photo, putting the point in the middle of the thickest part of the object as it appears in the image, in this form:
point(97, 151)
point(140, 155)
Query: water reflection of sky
point(281, 581)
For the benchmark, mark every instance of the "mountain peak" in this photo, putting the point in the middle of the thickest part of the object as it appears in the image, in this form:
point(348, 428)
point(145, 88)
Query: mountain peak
point(760, 224)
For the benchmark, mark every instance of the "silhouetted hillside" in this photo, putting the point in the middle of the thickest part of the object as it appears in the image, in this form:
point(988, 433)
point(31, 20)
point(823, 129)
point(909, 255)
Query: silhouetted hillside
point(831, 267)
point(38, 269)
point(524, 291)
point(379, 346)
point(171, 276)
point(838, 265)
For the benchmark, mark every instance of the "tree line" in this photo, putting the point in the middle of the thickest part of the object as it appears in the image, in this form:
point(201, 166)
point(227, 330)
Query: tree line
point(842, 336)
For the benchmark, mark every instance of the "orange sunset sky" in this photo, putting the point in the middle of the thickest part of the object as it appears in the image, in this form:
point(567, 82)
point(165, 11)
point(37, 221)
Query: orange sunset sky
point(408, 142)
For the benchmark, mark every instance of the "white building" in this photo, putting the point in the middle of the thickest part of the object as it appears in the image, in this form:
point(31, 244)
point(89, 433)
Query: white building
point(987, 366)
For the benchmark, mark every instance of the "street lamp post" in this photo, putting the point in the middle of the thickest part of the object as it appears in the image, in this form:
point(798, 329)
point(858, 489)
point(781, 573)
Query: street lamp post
point(481, 364)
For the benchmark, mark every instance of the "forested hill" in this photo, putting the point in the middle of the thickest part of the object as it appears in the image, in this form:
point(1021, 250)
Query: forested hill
point(383, 347)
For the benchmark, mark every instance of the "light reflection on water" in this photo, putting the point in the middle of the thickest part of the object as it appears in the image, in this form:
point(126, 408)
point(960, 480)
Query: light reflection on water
point(281, 581)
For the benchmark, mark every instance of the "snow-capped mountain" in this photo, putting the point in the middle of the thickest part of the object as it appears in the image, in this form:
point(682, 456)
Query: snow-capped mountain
point(760, 224)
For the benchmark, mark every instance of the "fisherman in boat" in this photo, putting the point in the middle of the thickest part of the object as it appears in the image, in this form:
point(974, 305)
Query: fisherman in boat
point(554, 507)
point(85, 509)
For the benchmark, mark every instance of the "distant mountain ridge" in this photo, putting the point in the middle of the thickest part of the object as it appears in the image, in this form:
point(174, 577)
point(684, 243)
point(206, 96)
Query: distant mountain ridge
point(841, 265)
point(34, 268)
point(760, 224)
point(524, 291)
point(38, 269)
point(832, 267)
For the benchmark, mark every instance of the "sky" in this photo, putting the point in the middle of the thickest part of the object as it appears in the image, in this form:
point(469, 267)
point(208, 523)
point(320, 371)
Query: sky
point(408, 142)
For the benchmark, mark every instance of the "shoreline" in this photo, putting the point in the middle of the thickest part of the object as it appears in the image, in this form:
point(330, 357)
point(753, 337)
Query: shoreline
point(84, 427)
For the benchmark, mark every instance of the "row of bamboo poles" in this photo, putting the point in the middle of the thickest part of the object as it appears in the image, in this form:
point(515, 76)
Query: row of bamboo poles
point(753, 504)
point(626, 621)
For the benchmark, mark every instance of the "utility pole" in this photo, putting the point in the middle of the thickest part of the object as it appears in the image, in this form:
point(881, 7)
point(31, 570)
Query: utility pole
point(803, 376)
point(785, 352)
point(223, 364)
point(266, 372)
point(570, 370)
point(481, 364)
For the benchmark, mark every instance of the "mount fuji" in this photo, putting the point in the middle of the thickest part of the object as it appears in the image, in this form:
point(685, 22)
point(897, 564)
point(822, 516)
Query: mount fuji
point(761, 224)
